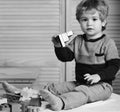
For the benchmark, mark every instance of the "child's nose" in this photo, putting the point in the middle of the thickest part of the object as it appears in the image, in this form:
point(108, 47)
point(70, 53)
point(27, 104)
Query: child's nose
point(90, 22)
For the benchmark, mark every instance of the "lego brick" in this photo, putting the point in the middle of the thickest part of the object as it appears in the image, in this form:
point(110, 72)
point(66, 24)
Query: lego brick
point(4, 108)
point(15, 107)
point(64, 37)
point(34, 109)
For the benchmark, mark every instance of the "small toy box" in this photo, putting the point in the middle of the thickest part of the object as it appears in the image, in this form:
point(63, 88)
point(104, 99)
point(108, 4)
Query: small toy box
point(64, 38)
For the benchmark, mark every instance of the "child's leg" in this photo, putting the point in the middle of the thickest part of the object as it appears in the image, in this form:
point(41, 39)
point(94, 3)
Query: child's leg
point(10, 88)
point(60, 88)
point(57, 88)
point(97, 92)
point(55, 103)
point(65, 101)
point(83, 94)
point(100, 92)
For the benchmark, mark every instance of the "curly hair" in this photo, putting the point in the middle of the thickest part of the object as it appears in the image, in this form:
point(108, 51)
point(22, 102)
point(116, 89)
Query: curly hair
point(100, 5)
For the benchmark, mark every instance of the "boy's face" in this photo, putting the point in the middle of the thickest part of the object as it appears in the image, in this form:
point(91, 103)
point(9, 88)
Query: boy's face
point(91, 23)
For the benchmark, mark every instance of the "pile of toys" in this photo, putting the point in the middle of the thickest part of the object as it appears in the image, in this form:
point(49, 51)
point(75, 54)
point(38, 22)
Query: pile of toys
point(3, 105)
point(28, 100)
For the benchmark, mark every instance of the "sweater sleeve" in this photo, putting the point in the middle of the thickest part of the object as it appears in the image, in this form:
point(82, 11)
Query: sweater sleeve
point(110, 71)
point(64, 54)
point(112, 61)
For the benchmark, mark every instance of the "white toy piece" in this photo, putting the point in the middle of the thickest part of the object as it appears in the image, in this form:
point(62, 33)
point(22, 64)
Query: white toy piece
point(65, 37)
point(28, 93)
point(3, 100)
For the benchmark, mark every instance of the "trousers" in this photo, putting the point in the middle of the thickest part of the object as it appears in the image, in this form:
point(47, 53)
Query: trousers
point(74, 95)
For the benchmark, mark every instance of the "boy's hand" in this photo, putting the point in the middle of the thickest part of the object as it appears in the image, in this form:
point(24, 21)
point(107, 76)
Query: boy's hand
point(56, 41)
point(92, 79)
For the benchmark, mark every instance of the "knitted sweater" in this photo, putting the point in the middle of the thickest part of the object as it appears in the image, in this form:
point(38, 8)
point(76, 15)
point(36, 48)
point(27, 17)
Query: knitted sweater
point(94, 56)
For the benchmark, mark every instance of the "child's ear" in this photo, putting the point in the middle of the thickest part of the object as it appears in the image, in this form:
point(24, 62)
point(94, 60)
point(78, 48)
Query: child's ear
point(104, 23)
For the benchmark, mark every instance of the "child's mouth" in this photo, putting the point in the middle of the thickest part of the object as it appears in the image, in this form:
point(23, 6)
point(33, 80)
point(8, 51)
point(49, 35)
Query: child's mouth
point(89, 29)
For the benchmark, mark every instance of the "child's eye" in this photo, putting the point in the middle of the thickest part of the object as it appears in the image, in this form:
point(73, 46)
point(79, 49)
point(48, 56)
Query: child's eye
point(95, 19)
point(84, 19)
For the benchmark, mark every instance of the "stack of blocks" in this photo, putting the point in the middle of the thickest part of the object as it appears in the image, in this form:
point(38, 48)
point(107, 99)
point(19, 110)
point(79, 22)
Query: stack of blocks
point(15, 107)
point(34, 109)
point(4, 108)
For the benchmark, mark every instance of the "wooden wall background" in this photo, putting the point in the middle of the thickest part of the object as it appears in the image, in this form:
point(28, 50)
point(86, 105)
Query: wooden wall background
point(26, 50)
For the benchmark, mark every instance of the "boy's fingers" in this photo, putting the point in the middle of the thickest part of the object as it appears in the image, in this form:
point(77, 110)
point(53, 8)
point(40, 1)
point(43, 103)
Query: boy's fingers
point(92, 82)
point(87, 76)
point(89, 79)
